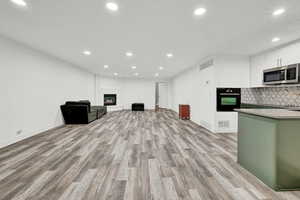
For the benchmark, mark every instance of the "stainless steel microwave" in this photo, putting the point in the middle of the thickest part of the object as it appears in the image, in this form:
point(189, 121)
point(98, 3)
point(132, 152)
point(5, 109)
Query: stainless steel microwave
point(282, 75)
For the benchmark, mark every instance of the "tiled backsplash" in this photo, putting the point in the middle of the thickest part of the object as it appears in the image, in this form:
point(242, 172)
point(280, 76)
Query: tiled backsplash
point(280, 96)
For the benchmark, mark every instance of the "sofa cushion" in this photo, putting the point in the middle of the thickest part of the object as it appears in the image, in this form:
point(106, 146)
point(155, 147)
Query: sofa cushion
point(92, 116)
point(101, 108)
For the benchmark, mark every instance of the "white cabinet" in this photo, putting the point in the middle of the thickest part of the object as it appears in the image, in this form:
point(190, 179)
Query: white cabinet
point(290, 55)
point(280, 57)
point(287, 55)
point(273, 59)
point(257, 65)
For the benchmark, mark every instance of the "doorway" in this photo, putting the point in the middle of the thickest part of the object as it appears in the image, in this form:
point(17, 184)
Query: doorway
point(161, 95)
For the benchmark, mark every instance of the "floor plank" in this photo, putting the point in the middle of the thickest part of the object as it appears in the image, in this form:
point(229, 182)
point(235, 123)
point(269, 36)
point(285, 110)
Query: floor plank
point(132, 156)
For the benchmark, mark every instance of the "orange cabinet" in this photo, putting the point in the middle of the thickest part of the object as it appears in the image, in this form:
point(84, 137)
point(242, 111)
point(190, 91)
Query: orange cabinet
point(184, 111)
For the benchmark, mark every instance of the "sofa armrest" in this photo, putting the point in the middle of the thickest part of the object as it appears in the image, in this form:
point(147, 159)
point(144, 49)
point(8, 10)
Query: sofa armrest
point(75, 114)
point(99, 108)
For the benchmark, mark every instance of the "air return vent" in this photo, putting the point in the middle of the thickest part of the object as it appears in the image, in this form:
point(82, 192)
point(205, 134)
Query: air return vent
point(223, 124)
point(206, 64)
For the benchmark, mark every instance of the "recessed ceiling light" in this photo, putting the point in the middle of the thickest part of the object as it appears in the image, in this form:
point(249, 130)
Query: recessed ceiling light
point(19, 2)
point(156, 74)
point(116, 74)
point(279, 12)
point(112, 6)
point(133, 67)
point(106, 66)
point(276, 39)
point(170, 55)
point(136, 74)
point(199, 11)
point(129, 54)
point(161, 68)
point(87, 53)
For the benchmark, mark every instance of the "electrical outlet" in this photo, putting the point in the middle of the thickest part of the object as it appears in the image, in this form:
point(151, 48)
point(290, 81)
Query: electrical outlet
point(19, 132)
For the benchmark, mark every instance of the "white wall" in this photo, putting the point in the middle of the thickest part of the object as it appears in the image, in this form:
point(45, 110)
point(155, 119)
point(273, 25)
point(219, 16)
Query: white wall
point(288, 53)
point(198, 89)
point(33, 86)
point(195, 87)
point(128, 91)
point(231, 71)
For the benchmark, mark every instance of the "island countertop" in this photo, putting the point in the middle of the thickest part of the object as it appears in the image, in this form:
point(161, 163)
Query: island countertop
point(272, 113)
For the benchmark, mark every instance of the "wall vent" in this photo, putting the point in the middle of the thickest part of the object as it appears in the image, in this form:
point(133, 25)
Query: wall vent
point(224, 124)
point(206, 64)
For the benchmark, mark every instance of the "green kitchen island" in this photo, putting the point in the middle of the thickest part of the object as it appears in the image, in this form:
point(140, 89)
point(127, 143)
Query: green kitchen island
point(269, 146)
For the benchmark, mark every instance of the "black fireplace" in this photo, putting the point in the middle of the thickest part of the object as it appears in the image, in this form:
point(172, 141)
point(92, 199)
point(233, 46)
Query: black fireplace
point(110, 99)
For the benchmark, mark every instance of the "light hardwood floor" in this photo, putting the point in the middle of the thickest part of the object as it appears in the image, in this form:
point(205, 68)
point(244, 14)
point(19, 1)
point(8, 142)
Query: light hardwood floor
point(132, 156)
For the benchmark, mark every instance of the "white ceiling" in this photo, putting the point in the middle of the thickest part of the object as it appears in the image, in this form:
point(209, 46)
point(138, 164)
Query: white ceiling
point(150, 29)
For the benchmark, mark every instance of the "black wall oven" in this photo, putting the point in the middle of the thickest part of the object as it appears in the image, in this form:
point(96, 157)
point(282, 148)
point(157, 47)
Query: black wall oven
point(228, 99)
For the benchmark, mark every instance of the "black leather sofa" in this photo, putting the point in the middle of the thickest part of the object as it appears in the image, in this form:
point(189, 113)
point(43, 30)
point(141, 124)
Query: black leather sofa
point(81, 112)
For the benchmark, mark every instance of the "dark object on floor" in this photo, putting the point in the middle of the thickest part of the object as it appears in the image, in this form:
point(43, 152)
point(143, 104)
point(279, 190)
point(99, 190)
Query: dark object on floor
point(184, 112)
point(137, 107)
point(81, 112)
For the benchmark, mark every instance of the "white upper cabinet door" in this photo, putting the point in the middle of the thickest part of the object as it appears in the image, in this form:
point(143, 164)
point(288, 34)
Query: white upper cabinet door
point(272, 59)
point(257, 65)
point(290, 55)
